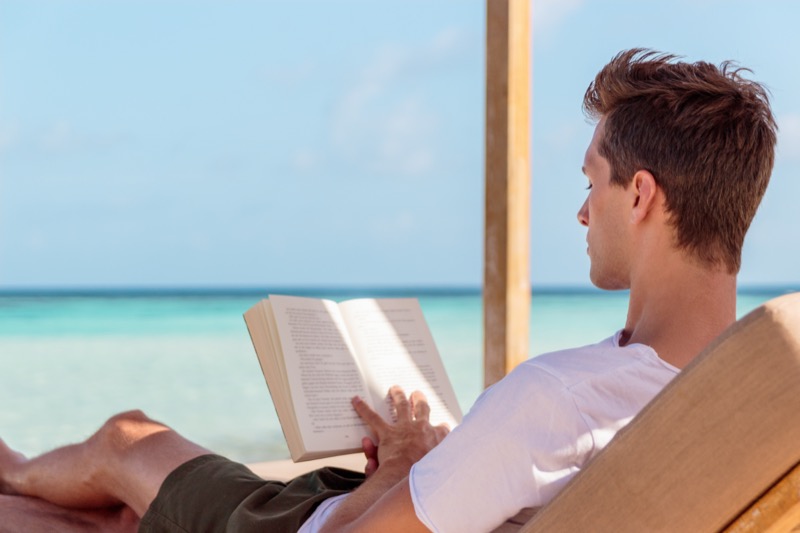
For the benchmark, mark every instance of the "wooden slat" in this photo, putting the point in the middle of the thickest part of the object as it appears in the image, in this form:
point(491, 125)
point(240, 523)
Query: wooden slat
point(506, 287)
point(778, 510)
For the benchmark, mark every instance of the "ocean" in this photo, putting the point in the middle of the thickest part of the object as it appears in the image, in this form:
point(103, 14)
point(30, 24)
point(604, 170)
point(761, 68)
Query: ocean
point(69, 360)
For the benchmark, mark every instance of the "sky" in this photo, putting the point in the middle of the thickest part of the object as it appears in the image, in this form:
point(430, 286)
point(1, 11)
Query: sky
point(315, 143)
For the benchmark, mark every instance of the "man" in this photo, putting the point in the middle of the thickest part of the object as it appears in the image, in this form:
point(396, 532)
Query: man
point(679, 161)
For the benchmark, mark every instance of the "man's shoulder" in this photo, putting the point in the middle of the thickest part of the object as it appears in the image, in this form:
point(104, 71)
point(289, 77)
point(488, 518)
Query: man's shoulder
point(573, 366)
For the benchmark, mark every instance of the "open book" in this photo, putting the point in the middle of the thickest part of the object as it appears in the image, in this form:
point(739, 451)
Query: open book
point(317, 354)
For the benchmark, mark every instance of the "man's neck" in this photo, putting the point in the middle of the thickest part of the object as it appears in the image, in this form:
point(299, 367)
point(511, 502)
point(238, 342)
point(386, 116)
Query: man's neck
point(680, 308)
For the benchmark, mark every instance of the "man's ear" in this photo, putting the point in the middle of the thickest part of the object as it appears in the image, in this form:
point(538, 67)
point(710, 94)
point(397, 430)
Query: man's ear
point(644, 191)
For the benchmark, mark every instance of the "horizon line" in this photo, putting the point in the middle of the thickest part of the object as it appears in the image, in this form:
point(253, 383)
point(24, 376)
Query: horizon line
point(343, 290)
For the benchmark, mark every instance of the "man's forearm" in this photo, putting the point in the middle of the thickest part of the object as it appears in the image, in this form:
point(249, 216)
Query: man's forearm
point(362, 499)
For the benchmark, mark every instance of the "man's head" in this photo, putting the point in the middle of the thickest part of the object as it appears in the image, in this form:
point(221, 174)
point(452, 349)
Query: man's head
point(705, 134)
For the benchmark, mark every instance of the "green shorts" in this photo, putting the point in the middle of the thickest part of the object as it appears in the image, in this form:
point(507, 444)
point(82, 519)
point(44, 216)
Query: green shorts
point(211, 493)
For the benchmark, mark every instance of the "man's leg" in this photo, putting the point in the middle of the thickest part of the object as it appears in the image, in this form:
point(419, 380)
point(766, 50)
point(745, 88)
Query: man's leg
point(125, 462)
point(21, 513)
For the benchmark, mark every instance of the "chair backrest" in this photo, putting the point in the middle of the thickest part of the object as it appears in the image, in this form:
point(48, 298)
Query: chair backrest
point(704, 449)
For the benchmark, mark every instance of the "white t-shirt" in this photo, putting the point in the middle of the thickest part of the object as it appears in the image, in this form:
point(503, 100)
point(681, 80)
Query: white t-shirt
point(323, 511)
point(528, 435)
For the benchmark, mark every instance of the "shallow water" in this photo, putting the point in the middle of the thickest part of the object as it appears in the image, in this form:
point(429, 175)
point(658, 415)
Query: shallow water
point(69, 361)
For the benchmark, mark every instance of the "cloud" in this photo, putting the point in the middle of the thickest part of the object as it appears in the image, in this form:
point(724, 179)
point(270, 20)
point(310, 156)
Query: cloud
point(304, 160)
point(446, 44)
point(393, 226)
point(548, 14)
point(789, 136)
point(62, 137)
point(405, 144)
point(381, 121)
point(35, 240)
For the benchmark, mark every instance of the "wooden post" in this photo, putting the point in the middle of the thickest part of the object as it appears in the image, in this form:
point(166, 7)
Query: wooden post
point(506, 283)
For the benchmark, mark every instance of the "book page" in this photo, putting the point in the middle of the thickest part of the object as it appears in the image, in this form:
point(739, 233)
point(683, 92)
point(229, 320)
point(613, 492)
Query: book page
point(395, 347)
point(322, 372)
point(261, 326)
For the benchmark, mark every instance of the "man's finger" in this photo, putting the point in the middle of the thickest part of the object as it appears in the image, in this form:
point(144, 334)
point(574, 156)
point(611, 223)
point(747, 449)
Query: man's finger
point(419, 405)
point(402, 407)
point(369, 416)
point(371, 454)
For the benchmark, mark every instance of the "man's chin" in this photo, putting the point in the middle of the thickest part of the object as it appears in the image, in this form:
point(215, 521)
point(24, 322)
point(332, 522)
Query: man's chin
point(608, 283)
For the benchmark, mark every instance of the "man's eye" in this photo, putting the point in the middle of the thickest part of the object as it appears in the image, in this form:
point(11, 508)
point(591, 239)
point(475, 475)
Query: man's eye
point(588, 186)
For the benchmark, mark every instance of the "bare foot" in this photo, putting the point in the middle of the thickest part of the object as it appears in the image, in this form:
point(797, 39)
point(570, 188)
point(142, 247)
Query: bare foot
point(9, 461)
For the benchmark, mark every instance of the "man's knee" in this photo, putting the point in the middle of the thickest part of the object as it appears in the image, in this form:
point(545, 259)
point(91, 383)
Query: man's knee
point(123, 430)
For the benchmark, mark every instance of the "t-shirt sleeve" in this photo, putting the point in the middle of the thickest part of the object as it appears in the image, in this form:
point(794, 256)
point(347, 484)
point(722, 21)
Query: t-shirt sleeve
point(517, 447)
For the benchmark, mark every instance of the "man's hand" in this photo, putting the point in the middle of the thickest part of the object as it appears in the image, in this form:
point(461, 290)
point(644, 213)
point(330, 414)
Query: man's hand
point(383, 502)
point(404, 442)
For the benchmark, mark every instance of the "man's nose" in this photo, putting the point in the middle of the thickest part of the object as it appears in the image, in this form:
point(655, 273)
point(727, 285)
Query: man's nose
point(583, 214)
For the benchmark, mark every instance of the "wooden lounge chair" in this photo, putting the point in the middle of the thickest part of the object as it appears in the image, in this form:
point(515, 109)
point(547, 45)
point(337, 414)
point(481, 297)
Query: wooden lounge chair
point(717, 450)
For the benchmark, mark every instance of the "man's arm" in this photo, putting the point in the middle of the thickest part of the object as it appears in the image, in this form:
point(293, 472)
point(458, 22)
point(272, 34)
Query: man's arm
point(383, 502)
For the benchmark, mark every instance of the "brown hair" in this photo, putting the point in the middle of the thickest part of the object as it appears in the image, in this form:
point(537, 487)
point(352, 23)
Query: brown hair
point(705, 133)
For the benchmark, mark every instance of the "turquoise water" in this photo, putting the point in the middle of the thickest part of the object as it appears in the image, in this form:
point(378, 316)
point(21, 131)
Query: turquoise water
point(69, 361)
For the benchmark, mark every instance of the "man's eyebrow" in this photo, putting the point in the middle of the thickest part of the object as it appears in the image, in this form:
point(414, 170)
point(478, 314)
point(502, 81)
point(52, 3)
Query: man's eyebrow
point(583, 169)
